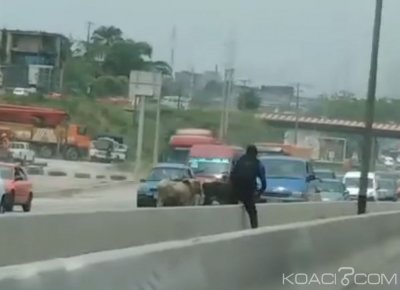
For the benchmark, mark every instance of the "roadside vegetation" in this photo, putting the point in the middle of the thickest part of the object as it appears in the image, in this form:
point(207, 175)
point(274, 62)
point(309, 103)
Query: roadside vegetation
point(102, 118)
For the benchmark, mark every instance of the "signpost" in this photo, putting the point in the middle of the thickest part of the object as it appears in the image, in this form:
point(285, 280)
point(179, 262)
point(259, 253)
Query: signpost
point(144, 84)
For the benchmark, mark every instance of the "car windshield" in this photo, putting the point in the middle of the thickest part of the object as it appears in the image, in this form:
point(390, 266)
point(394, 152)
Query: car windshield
point(160, 173)
point(355, 182)
point(177, 156)
point(283, 168)
point(387, 184)
point(6, 172)
point(331, 186)
point(324, 174)
point(203, 166)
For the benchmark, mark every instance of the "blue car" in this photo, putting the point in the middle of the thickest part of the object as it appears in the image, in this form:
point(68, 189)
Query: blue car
point(147, 191)
point(289, 179)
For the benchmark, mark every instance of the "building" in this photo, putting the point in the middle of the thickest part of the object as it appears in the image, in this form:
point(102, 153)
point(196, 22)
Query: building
point(276, 96)
point(190, 82)
point(32, 59)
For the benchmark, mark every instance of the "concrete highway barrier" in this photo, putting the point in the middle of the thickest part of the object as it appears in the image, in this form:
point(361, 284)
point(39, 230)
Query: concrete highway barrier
point(266, 258)
point(55, 172)
point(82, 175)
point(118, 177)
point(44, 236)
point(34, 170)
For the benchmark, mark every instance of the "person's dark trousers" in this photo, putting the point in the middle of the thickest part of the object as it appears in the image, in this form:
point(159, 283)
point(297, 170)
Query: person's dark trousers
point(250, 206)
point(246, 196)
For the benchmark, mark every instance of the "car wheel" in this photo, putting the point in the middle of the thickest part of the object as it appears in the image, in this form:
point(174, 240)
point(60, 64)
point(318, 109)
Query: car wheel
point(28, 205)
point(7, 202)
point(2, 205)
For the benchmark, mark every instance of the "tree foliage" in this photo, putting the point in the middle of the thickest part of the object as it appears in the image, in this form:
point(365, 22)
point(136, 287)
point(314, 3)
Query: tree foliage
point(105, 61)
point(249, 100)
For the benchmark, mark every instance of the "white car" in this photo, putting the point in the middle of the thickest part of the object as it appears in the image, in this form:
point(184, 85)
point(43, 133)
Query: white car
point(352, 182)
point(388, 161)
point(22, 151)
point(21, 92)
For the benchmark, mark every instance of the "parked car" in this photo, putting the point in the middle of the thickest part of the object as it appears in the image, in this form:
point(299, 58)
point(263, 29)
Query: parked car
point(352, 182)
point(21, 92)
point(289, 179)
point(333, 190)
point(325, 174)
point(387, 189)
point(17, 188)
point(21, 151)
point(147, 191)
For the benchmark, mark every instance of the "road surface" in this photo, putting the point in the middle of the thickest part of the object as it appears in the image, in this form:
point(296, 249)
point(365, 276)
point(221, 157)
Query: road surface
point(76, 166)
point(386, 272)
point(118, 197)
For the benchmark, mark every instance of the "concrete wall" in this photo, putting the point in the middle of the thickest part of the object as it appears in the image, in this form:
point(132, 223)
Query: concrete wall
point(28, 238)
point(251, 260)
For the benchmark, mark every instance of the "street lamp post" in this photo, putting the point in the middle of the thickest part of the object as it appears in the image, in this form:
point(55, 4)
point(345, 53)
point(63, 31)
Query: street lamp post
point(370, 110)
point(296, 129)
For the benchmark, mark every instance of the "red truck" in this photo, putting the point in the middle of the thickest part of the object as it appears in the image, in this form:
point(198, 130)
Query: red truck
point(212, 161)
point(183, 139)
point(47, 130)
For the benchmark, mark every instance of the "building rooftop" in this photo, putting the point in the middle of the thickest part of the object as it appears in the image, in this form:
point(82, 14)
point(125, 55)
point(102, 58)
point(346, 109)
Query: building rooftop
point(34, 33)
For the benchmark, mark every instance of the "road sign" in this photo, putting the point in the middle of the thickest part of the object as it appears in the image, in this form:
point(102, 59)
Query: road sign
point(144, 84)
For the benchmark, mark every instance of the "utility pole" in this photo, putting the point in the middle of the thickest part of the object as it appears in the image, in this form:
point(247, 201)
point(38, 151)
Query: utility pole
point(173, 44)
point(157, 129)
point(139, 146)
point(370, 110)
point(89, 32)
point(230, 47)
point(223, 105)
point(296, 128)
point(229, 96)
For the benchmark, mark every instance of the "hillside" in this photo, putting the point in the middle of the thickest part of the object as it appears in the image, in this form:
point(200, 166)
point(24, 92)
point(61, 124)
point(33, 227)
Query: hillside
point(101, 118)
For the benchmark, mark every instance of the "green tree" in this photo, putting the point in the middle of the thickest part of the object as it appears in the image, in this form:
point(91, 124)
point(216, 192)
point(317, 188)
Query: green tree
point(249, 100)
point(78, 75)
point(106, 62)
point(107, 35)
point(128, 55)
point(106, 86)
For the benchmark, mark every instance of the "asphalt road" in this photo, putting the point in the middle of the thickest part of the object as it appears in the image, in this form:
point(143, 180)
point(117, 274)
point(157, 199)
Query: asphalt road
point(118, 197)
point(77, 166)
point(382, 276)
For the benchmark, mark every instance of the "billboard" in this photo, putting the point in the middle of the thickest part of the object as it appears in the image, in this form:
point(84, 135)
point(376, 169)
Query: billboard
point(144, 84)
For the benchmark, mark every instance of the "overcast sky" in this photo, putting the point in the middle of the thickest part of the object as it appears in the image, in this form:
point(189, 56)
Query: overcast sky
point(325, 44)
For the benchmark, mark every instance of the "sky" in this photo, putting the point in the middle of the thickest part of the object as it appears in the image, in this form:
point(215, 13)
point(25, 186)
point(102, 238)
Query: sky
point(323, 44)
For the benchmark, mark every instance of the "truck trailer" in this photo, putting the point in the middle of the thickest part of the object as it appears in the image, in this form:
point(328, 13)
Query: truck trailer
point(47, 130)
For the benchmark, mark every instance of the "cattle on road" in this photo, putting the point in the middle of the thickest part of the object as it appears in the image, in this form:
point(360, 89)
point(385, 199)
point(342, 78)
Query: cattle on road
point(187, 192)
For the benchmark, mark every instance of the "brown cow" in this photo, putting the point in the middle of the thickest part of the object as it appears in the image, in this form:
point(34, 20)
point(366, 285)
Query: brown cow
point(187, 192)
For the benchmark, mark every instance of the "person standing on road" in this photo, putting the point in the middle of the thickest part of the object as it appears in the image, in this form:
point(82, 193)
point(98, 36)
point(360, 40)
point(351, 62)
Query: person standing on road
point(243, 178)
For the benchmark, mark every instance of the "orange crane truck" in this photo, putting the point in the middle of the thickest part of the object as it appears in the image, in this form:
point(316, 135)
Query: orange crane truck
point(47, 130)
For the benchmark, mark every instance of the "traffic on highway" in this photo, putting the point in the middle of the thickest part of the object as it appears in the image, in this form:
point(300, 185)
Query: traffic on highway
point(204, 145)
